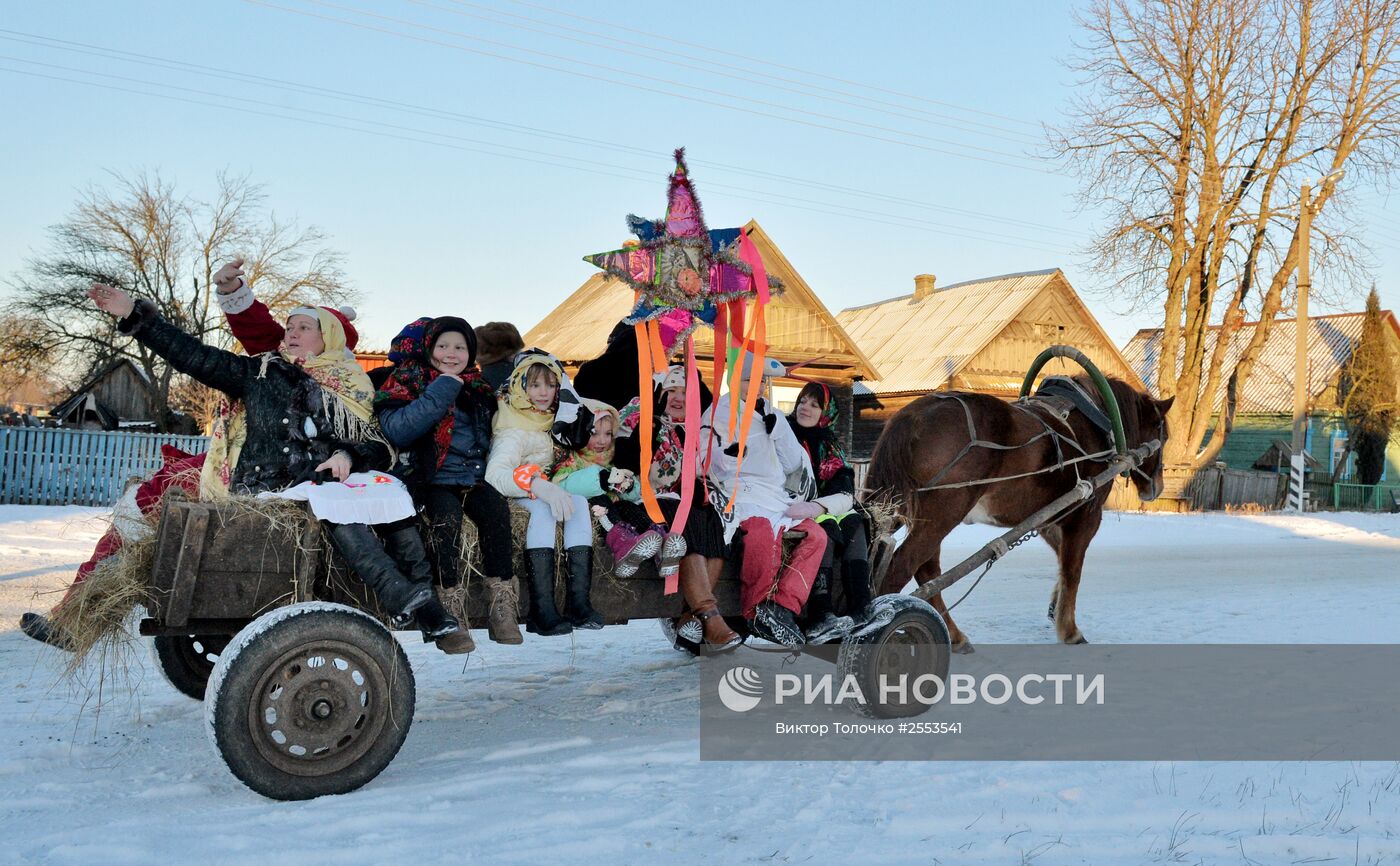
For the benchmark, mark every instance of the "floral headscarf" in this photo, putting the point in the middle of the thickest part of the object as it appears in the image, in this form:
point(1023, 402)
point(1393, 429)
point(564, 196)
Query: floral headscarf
point(349, 400)
point(412, 352)
point(819, 441)
point(566, 462)
point(565, 422)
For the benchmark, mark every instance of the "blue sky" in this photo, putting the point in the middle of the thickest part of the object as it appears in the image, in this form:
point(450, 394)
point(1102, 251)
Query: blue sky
point(507, 139)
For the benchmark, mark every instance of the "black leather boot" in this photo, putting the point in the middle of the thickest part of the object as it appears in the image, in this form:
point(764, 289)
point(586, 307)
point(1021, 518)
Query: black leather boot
point(543, 618)
point(578, 608)
point(404, 541)
point(819, 601)
point(855, 578)
point(368, 560)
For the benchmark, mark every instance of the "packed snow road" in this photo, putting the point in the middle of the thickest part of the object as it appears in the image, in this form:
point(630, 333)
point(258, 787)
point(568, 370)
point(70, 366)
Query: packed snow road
point(587, 746)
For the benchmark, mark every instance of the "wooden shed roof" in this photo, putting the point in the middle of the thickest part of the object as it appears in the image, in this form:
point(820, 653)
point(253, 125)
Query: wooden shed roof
point(800, 328)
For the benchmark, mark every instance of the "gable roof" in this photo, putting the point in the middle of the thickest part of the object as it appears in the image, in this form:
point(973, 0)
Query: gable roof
point(800, 328)
point(920, 345)
point(1331, 340)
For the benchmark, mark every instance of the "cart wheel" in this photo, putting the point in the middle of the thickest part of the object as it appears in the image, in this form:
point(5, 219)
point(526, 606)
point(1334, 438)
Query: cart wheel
point(904, 636)
point(310, 699)
point(187, 660)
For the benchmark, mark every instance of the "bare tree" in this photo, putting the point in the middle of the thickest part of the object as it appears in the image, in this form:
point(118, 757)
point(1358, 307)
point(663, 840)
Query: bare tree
point(1201, 120)
point(140, 234)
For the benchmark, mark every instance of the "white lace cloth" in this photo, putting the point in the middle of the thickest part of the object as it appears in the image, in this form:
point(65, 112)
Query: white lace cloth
point(363, 497)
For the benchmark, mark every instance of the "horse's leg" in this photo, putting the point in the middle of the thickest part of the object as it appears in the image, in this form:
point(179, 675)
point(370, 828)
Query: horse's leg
point(1077, 531)
point(919, 547)
point(1053, 537)
point(960, 642)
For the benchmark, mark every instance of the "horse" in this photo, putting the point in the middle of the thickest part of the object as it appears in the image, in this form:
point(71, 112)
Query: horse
point(959, 457)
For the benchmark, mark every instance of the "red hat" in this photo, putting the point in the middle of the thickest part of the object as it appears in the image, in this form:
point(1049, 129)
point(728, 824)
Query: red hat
point(345, 314)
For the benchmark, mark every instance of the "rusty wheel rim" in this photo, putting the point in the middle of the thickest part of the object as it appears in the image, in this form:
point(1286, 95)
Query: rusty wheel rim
point(318, 708)
point(909, 649)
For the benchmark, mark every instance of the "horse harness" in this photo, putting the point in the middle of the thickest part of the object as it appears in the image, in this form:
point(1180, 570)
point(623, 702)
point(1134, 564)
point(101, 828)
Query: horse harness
point(1057, 398)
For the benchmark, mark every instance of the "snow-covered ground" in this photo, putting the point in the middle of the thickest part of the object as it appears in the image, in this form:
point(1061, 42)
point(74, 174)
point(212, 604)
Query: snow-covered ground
point(586, 747)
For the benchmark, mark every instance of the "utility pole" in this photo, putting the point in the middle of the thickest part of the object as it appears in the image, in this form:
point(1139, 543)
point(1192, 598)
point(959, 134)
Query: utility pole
point(1297, 494)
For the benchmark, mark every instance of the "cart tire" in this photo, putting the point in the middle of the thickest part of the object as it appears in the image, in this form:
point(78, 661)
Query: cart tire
point(188, 660)
point(904, 636)
point(310, 699)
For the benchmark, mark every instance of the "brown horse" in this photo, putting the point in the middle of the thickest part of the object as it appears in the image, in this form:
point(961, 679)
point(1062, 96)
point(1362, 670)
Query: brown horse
point(926, 467)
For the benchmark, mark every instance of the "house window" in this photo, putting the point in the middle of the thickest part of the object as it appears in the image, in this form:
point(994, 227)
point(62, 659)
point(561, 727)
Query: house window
point(1338, 447)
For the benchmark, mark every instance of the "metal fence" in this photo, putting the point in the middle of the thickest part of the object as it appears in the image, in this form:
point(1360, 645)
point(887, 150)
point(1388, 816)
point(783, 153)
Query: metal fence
point(1366, 497)
point(41, 466)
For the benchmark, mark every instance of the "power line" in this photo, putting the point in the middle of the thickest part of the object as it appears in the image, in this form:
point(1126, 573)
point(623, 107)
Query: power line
point(713, 67)
point(299, 87)
point(751, 59)
point(636, 86)
point(476, 146)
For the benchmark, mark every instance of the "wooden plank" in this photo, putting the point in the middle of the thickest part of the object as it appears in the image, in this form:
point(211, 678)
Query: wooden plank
point(186, 575)
point(308, 560)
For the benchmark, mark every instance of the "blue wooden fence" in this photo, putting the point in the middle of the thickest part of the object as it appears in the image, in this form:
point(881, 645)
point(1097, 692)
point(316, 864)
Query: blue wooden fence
point(41, 466)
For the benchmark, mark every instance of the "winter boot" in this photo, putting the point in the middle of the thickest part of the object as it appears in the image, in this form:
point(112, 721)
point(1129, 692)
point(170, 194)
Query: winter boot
point(821, 624)
point(442, 628)
point(42, 629)
point(578, 607)
point(543, 618)
point(773, 622)
point(398, 595)
point(503, 610)
point(672, 549)
point(702, 628)
point(855, 577)
point(629, 549)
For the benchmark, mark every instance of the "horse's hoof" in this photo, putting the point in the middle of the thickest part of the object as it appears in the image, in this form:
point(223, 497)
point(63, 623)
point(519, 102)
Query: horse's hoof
point(1077, 639)
point(1050, 614)
point(964, 648)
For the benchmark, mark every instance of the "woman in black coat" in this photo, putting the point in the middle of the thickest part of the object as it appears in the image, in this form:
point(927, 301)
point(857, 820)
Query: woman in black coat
point(301, 414)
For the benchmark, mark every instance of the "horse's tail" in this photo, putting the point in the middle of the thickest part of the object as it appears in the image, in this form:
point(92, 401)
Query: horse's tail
point(891, 482)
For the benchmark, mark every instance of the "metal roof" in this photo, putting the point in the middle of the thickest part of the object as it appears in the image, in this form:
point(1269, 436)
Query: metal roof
point(1331, 340)
point(919, 345)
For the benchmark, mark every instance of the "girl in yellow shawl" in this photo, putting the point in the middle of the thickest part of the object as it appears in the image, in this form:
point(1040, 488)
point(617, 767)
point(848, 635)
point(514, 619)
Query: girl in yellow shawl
point(532, 404)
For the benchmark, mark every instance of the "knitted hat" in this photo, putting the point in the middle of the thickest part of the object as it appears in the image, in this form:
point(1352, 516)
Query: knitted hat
point(445, 324)
point(345, 314)
point(497, 341)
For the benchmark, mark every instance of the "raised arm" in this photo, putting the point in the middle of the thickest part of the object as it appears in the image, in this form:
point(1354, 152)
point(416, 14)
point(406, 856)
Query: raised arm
point(216, 368)
point(250, 320)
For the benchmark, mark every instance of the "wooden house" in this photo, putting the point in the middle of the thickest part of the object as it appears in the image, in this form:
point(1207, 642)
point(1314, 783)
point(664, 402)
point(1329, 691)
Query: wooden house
point(979, 335)
point(117, 396)
point(1263, 427)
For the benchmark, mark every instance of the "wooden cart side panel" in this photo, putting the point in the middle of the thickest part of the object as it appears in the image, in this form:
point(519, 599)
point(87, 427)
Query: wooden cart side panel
point(169, 533)
point(186, 572)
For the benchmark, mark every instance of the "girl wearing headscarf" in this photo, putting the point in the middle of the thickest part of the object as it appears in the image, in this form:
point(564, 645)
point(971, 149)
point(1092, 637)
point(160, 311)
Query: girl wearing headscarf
point(436, 408)
point(613, 494)
point(813, 421)
point(536, 408)
point(294, 415)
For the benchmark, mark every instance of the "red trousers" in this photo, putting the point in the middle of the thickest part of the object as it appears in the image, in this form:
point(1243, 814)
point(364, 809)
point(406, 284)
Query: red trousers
point(763, 576)
point(179, 468)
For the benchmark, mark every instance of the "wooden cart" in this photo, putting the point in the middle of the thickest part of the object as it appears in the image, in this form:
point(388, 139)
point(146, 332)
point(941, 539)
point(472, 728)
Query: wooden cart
point(306, 690)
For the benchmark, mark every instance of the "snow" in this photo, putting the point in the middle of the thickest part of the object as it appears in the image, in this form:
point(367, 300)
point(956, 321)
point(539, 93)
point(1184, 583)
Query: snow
point(586, 746)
